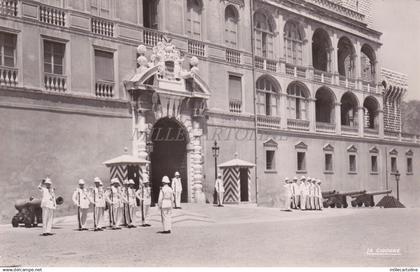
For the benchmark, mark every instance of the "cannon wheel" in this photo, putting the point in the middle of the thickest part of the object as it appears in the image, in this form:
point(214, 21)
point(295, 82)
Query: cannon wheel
point(28, 222)
point(338, 205)
point(15, 221)
point(353, 203)
point(324, 204)
point(345, 205)
point(359, 204)
point(332, 205)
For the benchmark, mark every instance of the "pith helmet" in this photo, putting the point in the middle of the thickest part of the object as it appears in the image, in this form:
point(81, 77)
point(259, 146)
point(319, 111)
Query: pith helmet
point(219, 175)
point(131, 182)
point(318, 181)
point(165, 180)
point(303, 178)
point(81, 182)
point(97, 180)
point(48, 181)
point(176, 173)
point(115, 181)
point(295, 179)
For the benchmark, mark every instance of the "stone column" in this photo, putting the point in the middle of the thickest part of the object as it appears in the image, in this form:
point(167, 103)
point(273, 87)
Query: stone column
point(283, 111)
point(381, 123)
point(312, 115)
point(197, 164)
point(361, 116)
point(334, 58)
point(307, 46)
point(338, 118)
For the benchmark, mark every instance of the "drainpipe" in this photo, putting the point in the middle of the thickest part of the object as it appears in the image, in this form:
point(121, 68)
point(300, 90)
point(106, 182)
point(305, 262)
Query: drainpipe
point(251, 12)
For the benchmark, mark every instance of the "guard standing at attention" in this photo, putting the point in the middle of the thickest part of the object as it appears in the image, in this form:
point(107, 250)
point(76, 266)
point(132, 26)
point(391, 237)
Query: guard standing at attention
point(82, 200)
point(295, 193)
point(131, 203)
point(98, 198)
point(48, 205)
point(319, 194)
point(287, 194)
point(177, 188)
point(145, 196)
point(220, 190)
point(113, 197)
point(166, 198)
point(303, 193)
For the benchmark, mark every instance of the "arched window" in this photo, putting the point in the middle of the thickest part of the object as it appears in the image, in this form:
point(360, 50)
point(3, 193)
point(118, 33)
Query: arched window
point(267, 96)
point(368, 63)
point(346, 58)
point(297, 101)
point(324, 105)
point(293, 43)
point(349, 105)
point(264, 35)
point(231, 26)
point(370, 109)
point(193, 19)
point(321, 50)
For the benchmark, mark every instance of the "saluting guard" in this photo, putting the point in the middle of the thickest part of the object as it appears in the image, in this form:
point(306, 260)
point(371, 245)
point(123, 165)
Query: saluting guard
point(287, 194)
point(131, 203)
point(114, 198)
point(145, 196)
point(48, 205)
point(295, 194)
point(82, 200)
point(98, 197)
point(220, 190)
point(177, 188)
point(166, 198)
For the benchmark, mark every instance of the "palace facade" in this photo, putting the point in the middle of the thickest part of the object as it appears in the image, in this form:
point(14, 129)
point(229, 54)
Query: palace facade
point(291, 87)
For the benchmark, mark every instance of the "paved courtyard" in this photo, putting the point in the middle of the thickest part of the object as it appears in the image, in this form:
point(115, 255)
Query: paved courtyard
point(204, 235)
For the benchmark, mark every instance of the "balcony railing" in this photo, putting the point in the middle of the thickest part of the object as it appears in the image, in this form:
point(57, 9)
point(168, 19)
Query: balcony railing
point(322, 76)
point(233, 56)
point(102, 27)
point(8, 76)
point(265, 121)
point(259, 63)
point(408, 137)
point(369, 87)
point(55, 83)
point(325, 127)
point(235, 106)
point(349, 130)
point(271, 65)
point(151, 37)
point(196, 48)
point(347, 82)
point(104, 88)
point(391, 134)
point(52, 16)
point(373, 132)
point(295, 71)
point(8, 7)
point(296, 124)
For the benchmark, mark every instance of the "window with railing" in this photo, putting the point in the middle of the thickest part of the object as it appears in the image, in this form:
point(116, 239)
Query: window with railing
point(231, 26)
point(54, 78)
point(104, 74)
point(297, 101)
point(235, 93)
point(264, 35)
point(267, 96)
point(150, 14)
point(293, 43)
point(8, 70)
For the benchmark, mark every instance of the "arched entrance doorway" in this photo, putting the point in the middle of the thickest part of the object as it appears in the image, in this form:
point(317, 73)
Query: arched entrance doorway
point(169, 154)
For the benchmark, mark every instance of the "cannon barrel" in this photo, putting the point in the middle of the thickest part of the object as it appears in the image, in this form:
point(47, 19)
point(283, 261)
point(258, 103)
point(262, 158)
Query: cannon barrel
point(379, 192)
point(353, 193)
point(22, 203)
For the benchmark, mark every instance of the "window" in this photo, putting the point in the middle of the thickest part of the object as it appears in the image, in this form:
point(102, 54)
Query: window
point(328, 162)
point(235, 93)
point(297, 102)
point(193, 19)
point(100, 8)
point(231, 26)
point(374, 164)
point(267, 97)
point(150, 14)
point(104, 66)
point(270, 160)
point(293, 43)
point(54, 57)
point(368, 63)
point(394, 167)
point(264, 36)
point(301, 161)
point(409, 165)
point(352, 163)
point(7, 50)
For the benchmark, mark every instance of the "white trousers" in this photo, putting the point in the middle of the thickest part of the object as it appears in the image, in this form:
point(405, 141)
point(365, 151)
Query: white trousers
point(47, 219)
point(303, 202)
point(99, 217)
point(83, 217)
point(117, 216)
point(145, 212)
point(287, 201)
point(129, 214)
point(177, 199)
point(166, 219)
point(220, 198)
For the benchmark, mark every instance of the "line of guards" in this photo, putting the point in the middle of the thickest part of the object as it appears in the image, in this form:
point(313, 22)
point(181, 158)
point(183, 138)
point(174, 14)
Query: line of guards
point(121, 200)
point(304, 194)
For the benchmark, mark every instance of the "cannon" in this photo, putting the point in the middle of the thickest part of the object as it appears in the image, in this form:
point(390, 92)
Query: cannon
point(335, 199)
point(30, 212)
point(367, 199)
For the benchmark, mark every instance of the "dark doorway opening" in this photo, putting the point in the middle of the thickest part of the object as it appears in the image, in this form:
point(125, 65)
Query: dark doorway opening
point(133, 172)
point(243, 176)
point(169, 155)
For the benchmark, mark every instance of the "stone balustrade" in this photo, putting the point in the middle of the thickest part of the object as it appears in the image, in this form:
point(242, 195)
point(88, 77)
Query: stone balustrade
point(233, 56)
point(196, 48)
point(235, 106)
point(325, 127)
point(9, 7)
point(266, 121)
point(55, 83)
point(259, 63)
point(297, 124)
point(104, 89)
point(151, 37)
point(52, 15)
point(102, 27)
point(8, 76)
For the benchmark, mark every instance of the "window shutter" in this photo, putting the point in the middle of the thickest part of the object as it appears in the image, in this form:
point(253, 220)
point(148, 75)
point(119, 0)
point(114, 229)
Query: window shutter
point(104, 65)
point(270, 47)
point(303, 111)
point(235, 88)
point(258, 43)
point(261, 103)
point(292, 107)
point(274, 105)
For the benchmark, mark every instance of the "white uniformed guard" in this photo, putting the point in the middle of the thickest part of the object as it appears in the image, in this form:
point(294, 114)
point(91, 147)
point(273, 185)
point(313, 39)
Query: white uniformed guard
point(308, 184)
point(145, 196)
point(82, 200)
point(166, 197)
point(220, 189)
point(130, 198)
point(287, 194)
point(319, 194)
point(314, 200)
point(303, 193)
point(98, 198)
point(295, 193)
point(48, 205)
point(177, 188)
point(114, 198)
